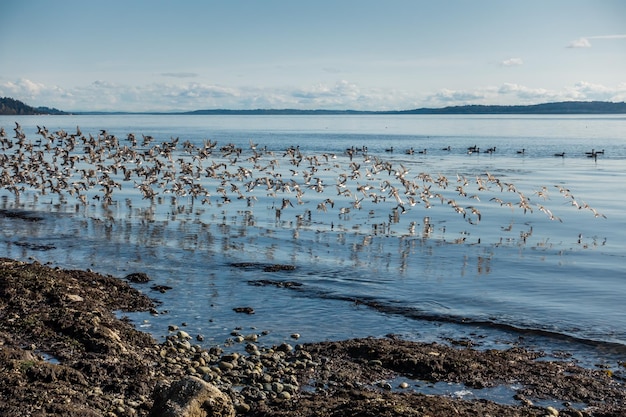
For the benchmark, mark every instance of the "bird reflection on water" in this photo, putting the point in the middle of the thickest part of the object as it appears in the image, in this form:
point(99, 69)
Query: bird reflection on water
point(95, 169)
point(300, 190)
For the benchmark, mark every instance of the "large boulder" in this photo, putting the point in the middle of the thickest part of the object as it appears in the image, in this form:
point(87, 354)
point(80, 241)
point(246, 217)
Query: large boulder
point(191, 397)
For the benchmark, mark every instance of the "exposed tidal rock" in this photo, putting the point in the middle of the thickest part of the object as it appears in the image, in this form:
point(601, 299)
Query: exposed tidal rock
point(138, 277)
point(191, 397)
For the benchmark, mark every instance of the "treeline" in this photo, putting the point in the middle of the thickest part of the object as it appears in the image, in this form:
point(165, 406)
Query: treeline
point(12, 107)
point(563, 107)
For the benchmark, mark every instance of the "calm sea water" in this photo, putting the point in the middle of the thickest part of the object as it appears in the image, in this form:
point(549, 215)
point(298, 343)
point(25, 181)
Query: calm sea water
point(367, 263)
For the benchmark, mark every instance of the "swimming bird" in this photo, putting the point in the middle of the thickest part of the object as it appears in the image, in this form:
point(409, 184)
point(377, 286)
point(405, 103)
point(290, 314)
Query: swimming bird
point(561, 154)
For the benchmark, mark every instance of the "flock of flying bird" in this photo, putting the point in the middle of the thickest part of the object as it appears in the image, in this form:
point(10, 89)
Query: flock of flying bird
point(91, 168)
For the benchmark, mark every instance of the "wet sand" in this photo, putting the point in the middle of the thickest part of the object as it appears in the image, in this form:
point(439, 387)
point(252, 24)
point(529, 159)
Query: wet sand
point(65, 352)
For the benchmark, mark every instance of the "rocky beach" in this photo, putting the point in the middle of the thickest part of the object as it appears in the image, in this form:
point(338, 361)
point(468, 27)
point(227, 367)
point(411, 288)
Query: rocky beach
point(67, 350)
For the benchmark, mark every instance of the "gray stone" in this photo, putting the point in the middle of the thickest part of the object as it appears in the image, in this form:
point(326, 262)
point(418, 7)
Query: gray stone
point(191, 397)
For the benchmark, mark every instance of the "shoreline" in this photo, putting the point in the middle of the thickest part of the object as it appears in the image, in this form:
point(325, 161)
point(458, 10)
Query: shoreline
point(64, 352)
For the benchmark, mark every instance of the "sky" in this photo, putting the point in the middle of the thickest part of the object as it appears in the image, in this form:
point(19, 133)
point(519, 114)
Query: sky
point(157, 55)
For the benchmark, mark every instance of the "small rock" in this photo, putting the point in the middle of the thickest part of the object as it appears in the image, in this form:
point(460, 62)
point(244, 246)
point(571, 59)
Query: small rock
point(204, 369)
point(242, 408)
point(284, 395)
point(74, 298)
point(385, 385)
point(183, 335)
point(552, 411)
point(277, 387)
point(161, 288)
point(226, 366)
point(184, 344)
point(138, 277)
point(284, 347)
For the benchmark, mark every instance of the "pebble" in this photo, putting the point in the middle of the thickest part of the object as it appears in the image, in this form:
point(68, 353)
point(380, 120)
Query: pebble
point(184, 345)
point(403, 385)
point(183, 335)
point(385, 385)
point(552, 411)
point(242, 408)
point(204, 370)
point(226, 366)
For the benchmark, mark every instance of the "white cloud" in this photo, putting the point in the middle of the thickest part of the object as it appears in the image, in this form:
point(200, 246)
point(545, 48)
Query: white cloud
point(527, 95)
point(598, 92)
point(607, 37)
point(512, 62)
point(24, 87)
point(584, 42)
point(580, 43)
point(447, 97)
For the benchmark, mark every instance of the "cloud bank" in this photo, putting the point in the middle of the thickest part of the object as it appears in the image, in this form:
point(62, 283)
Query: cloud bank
point(342, 95)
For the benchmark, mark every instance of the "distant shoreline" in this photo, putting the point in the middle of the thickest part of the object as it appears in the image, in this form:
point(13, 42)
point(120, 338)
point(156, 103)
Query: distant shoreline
point(563, 108)
point(10, 107)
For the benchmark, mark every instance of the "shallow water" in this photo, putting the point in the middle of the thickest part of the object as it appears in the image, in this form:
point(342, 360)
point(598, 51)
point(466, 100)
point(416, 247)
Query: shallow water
point(362, 268)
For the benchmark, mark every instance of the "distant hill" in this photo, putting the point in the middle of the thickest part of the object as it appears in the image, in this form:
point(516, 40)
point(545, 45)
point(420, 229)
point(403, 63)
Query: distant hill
point(564, 107)
point(12, 107)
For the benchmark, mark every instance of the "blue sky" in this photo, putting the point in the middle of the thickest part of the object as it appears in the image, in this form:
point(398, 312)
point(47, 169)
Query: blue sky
point(367, 55)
